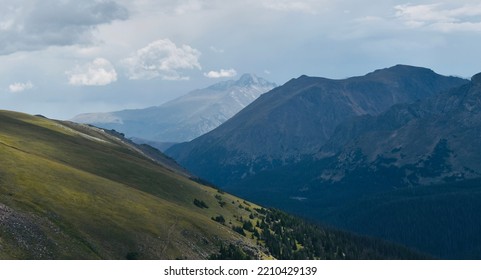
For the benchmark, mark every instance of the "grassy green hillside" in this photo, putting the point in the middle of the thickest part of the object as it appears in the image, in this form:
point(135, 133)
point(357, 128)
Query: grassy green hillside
point(69, 191)
point(86, 195)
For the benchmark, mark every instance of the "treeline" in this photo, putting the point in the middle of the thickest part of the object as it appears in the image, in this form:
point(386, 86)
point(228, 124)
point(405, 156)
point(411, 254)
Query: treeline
point(287, 237)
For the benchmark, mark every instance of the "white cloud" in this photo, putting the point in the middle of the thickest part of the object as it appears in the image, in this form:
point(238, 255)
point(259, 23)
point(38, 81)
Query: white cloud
point(99, 72)
point(221, 74)
point(439, 17)
point(19, 87)
point(188, 6)
point(163, 59)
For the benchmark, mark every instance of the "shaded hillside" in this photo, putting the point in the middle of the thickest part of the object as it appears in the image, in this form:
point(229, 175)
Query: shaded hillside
point(410, 175)
point(443, 220)
point(298, 118)
point(431, 141)
point(70, 191)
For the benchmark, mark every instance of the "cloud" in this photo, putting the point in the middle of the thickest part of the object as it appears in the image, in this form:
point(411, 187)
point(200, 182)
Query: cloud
point(99, 72)
point(188, 6)
point(221, 74)
point(306, 6)
point(163, 59)
point(34, 25)
point(439, 17)
point(19, 87)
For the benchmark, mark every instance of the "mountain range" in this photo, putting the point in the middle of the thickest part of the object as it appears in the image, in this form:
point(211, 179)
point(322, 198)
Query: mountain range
point(406, 170)
point(73, 191)
point(298, 118)
point(186, 117)
point(410, 175)
point(431, 141)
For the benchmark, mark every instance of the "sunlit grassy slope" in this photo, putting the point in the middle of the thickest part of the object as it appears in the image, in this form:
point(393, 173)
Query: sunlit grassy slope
point(75, 192)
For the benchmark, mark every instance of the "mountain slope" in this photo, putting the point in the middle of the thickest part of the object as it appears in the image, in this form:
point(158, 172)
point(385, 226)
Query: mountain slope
point(440, 219)
point(431, 141)
point(186, 117)
point(298, 118)
point(83, 195)
point(411, 175)
point(70, 191)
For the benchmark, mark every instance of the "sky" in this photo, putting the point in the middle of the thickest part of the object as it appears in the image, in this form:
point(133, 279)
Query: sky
point(60, 58)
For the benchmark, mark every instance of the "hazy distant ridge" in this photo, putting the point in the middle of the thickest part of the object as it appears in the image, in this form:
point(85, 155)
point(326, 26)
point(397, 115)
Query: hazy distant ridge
point(186, 117)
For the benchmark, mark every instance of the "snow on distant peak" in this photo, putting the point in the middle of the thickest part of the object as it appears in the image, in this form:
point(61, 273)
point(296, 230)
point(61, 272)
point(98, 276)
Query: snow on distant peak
point(246, 80)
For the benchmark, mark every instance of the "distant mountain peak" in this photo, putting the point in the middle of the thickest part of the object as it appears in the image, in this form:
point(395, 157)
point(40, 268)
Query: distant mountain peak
point(252, 79)
point(246, 80)
point(247, 77)
point(187, 116)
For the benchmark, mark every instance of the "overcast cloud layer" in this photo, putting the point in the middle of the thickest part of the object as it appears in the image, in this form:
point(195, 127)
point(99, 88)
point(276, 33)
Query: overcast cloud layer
point(63, 57)
point(34, 25)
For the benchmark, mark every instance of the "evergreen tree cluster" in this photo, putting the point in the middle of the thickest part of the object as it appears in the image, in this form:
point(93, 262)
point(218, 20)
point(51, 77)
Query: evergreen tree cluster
point(287, 237)
point(220, 219)
point(200, 203)
point(231, 252)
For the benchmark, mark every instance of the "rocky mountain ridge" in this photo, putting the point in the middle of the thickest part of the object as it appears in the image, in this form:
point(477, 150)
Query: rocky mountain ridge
point(426, 141)
point(298, 118)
